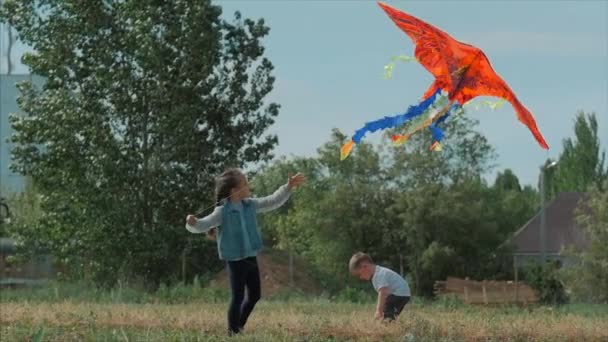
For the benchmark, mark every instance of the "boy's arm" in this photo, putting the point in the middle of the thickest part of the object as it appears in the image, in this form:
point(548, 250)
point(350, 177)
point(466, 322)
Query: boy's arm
point(206, 223)
point(383, 292)
point(274, 201)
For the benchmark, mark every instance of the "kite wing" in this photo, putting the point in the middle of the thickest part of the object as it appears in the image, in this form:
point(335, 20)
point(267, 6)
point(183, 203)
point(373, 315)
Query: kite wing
point(460, 69)
point(480, 80)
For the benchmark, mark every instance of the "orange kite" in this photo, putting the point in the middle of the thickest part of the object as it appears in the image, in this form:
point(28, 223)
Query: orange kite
point(461, 70)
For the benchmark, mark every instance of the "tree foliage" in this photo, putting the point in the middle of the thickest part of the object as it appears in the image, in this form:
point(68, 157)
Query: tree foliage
point(424, 213)
point(581, 164)
point(143, 103)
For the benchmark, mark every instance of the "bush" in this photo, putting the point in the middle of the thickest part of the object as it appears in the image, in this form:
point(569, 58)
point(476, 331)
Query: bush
point(545, 280)
point(57, 291)
point(587, 278)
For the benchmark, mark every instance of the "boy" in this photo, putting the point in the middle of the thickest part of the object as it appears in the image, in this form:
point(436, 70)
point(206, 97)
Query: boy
point(393, 290)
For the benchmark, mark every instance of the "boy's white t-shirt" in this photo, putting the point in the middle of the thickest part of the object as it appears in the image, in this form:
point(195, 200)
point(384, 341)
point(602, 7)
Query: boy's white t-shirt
point(384, 277)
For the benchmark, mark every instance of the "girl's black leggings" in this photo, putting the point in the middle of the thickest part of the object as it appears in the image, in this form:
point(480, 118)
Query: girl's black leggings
point(243, 274)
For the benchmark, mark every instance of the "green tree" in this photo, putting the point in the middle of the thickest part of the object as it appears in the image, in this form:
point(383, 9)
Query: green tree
point(466, 154)
point(507, 181)
point(449, 230)
point(588, 279)
point(144, 102)
point(581, 163)
point(346, 213)
point(514, 205)
point(427, 213)
point(339, 211)
point(269, 178)
point(447, 217)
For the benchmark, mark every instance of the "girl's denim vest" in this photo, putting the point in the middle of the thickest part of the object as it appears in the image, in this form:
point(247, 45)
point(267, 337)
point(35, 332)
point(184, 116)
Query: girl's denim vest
point(238, 236)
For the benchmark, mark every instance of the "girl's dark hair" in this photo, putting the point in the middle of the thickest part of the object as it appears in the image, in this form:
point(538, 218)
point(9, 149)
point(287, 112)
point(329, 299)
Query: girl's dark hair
point(227, 181)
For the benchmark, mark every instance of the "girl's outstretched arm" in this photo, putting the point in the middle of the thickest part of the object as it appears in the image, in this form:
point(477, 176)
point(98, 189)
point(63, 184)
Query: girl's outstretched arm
point(204, 224)
point(279, 197)
point(272, 202)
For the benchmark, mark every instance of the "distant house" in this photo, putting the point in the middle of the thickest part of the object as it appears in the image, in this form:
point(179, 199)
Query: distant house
point(12, 72)
point(561, 231)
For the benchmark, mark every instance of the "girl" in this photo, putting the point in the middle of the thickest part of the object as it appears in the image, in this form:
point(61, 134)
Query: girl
point(238, 237)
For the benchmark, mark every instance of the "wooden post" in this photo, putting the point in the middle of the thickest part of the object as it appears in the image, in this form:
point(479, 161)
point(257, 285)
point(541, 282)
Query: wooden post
point(504, 292)
point(2, 265)
point(401, 264)
point(466, 294)
point(184, 266)
point(485, 294)
point(290, 268)
point(516, 278)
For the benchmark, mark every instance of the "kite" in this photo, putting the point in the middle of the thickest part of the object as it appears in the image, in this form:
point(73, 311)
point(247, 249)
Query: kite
point(462, 72)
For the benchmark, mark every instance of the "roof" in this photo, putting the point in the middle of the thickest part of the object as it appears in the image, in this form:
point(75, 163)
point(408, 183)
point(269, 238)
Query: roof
point(562, 230)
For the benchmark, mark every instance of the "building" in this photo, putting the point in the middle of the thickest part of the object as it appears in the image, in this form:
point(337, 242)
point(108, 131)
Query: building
point(11, 73)
point(562, 232)
point(10, 182)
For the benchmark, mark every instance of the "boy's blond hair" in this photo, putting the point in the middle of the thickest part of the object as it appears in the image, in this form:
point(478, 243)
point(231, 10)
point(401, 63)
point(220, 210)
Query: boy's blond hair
point(358, 259)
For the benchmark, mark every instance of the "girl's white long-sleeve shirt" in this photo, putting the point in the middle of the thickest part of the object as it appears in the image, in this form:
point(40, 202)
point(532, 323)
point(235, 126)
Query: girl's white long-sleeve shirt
point(263, 204)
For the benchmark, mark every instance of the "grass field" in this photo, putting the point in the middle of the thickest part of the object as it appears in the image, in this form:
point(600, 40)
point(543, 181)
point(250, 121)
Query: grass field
point(313, 320)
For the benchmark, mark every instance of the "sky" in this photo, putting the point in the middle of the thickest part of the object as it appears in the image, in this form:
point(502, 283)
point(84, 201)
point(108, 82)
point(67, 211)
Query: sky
point(329, 59)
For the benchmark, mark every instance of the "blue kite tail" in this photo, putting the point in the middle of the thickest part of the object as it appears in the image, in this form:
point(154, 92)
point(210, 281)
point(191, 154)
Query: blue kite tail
point(394, 121)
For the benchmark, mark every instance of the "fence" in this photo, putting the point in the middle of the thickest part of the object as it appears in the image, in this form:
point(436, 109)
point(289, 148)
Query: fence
point(486, 291)
point(33, 271)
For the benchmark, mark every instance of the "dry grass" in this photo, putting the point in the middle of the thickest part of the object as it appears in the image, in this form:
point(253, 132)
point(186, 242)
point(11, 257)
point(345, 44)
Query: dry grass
point(307, 321)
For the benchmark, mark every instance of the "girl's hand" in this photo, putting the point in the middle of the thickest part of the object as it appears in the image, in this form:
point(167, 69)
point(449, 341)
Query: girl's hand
point(379, 315)
point(295, 181)
point(212, 234)
point(191, 220)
